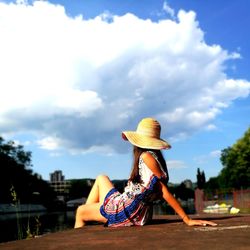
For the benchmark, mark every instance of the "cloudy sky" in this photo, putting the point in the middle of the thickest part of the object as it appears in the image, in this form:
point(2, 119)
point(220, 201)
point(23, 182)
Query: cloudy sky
point(74, 74)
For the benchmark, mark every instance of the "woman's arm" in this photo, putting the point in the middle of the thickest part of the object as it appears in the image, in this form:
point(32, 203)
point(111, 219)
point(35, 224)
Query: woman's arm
point(169, 198)
point(153, 165)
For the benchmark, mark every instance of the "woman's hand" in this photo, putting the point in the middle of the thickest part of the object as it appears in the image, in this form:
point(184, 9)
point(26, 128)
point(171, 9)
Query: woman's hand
point(203, 223)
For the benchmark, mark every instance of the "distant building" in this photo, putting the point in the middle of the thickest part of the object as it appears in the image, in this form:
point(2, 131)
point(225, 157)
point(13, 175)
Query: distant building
point(60, 185)
point(57, 176)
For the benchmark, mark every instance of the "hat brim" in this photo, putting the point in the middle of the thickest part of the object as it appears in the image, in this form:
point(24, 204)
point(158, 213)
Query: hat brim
point(143, 141)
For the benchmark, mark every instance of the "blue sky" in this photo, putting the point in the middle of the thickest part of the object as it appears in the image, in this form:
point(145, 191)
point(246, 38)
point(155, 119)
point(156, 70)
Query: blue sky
point(74, 74)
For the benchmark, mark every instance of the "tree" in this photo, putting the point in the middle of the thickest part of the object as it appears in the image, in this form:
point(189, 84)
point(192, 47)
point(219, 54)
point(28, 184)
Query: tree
point(15, 152)
point(182, 192)
point(79, 188)
point(201, 179)
point(14, 163)
point(236, 164)
point(15, 172)
point(212, 184)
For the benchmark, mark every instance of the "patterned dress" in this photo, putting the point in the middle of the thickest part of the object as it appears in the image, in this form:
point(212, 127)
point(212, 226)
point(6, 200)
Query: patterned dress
point(134, 205)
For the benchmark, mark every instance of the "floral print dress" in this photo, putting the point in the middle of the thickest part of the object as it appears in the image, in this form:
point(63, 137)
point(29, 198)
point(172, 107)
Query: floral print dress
point(134, 205)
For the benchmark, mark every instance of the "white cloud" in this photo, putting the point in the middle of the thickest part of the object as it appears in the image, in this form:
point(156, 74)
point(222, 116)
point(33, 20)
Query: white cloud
point(215, 153)
point(205, 158)
point(82, 102)
point(104, 150)
point(168, 9)
point(86, 80)
point(54, 154)
point(49, 143)
point(176, 164)
point(210, 127)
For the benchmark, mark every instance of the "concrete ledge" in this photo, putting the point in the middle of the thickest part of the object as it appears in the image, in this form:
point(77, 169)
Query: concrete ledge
point(165, 232)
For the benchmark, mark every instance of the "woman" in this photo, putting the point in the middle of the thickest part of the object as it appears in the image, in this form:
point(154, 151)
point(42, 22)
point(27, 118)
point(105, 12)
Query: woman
point(147, 182)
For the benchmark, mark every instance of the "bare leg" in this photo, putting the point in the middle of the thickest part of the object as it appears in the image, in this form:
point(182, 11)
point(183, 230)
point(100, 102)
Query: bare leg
point(99, 190)
point(91, 210)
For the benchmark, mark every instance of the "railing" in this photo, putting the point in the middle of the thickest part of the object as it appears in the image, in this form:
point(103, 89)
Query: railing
point(241, 199)
point(236, 198)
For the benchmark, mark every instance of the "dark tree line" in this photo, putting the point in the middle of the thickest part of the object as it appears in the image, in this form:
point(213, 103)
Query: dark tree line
point(201, 179)
point(16, 174)
point(182, 192)
point(79, 188)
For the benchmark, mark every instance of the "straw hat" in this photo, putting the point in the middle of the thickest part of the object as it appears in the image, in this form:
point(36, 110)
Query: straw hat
point(147, 135)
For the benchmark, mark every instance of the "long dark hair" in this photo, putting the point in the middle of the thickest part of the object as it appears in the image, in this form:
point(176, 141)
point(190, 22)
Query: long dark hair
point(134, 176)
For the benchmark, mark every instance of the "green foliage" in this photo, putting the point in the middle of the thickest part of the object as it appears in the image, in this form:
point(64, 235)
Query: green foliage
point(16, 203)
point(15, 170)
point(15, 152)
point(212, 184)
point(79, 188)
point(236, 164)
point(20, 232)
point(36, 231)
point(182, 192)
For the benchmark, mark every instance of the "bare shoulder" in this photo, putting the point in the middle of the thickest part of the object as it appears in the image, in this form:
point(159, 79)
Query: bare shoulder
point(152, 163)
point(146, 155)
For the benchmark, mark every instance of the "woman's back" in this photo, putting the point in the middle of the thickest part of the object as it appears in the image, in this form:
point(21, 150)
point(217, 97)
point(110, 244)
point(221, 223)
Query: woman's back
point(134, 205)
